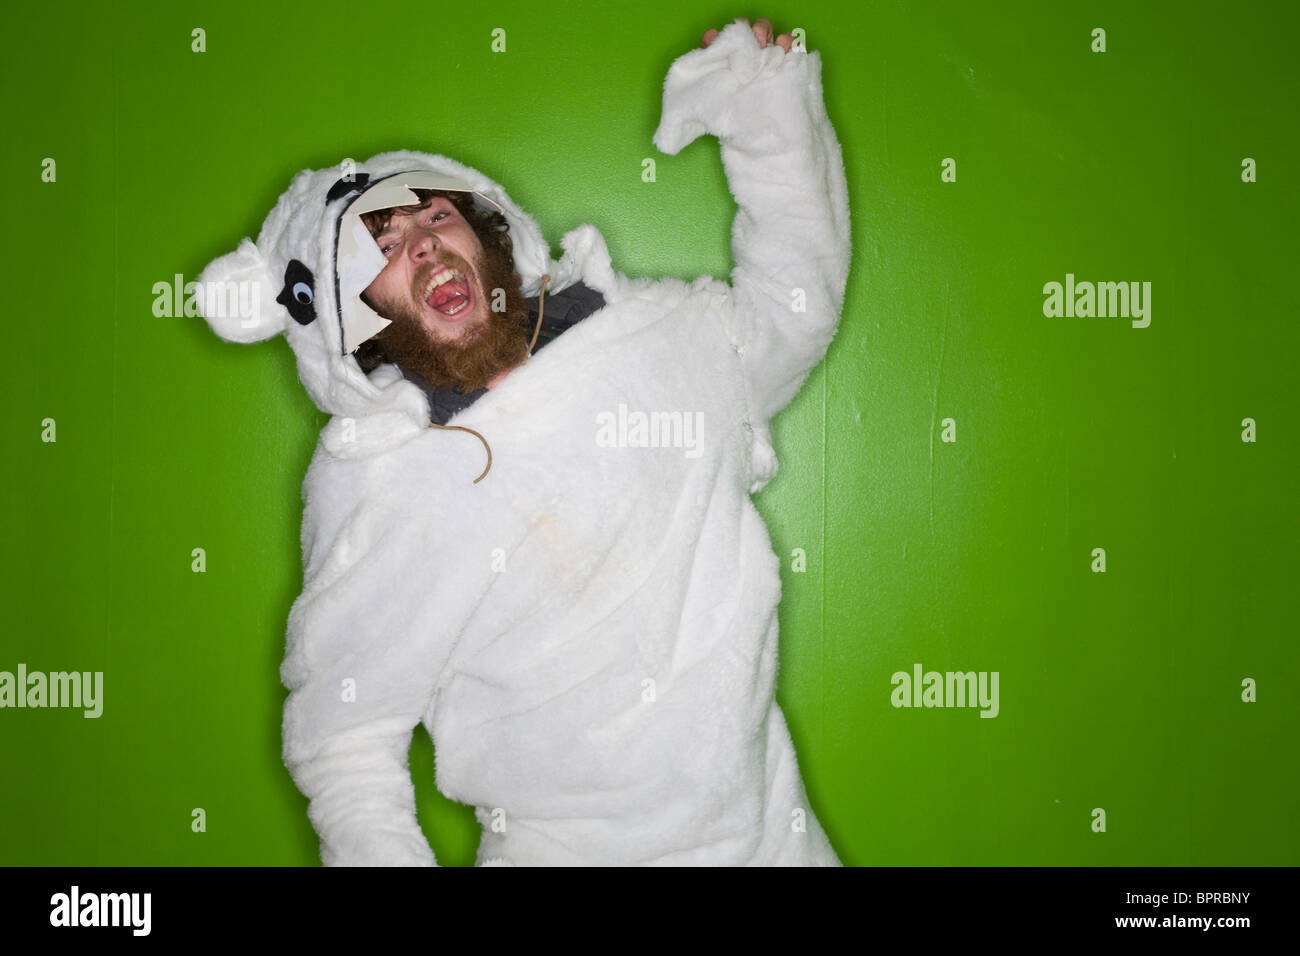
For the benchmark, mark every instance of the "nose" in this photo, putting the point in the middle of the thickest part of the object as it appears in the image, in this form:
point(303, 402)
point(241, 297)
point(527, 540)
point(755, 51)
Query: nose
point(422, 243)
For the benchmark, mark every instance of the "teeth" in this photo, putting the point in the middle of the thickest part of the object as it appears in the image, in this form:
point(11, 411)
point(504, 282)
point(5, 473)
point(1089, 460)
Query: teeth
point(437, 279)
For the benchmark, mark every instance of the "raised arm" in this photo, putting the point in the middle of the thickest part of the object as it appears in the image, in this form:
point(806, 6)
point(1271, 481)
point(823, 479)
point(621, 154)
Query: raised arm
point(790, 238)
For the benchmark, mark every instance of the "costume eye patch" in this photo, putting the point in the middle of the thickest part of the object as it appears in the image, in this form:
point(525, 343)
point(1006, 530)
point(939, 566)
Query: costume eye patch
point(298, 294)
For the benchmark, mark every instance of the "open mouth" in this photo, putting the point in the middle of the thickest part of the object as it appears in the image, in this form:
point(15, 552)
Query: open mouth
point(449, 293)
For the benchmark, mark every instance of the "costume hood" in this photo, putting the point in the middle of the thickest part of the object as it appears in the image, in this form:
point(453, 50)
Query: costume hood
point(289, 282)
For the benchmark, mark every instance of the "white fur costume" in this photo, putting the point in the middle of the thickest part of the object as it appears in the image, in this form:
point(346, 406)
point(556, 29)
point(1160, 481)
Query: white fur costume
point(589, 634)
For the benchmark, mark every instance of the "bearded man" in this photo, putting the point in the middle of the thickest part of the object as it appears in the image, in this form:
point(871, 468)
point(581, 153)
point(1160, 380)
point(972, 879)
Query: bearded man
point(589, 630)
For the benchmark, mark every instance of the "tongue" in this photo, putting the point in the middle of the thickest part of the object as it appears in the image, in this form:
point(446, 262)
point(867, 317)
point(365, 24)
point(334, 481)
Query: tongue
point(449, 295)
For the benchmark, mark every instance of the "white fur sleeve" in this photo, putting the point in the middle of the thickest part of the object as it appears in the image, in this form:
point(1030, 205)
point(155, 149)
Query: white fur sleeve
point(790, 238)
point(361, 665)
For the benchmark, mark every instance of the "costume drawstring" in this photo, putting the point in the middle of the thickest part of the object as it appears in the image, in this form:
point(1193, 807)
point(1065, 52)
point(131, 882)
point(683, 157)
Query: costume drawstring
point(541, 305)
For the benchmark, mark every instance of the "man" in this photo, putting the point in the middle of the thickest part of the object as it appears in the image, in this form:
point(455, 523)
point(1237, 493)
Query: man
point(447, 260)
point(445, 327)
point(589, 632)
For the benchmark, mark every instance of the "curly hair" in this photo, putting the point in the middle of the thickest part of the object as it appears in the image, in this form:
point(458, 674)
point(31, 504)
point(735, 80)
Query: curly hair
point(488, 224)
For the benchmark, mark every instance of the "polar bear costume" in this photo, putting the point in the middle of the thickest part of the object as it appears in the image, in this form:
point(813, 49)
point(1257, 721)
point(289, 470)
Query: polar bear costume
point(588, 633)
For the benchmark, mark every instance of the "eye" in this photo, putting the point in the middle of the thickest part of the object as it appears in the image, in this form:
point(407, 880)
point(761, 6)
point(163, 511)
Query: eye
point(434, 218)
point(298, 293)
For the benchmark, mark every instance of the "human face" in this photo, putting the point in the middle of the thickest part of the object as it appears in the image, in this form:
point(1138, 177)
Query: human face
point(422, 248)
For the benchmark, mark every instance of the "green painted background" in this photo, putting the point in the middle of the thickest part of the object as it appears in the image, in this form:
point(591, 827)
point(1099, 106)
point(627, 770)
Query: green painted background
point(1118, 690)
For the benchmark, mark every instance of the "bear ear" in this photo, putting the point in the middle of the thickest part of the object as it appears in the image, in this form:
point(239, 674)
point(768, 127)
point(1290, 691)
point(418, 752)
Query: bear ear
point(237, 296)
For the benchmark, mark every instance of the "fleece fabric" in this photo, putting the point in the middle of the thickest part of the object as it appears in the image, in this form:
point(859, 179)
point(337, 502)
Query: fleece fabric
point(589, 633)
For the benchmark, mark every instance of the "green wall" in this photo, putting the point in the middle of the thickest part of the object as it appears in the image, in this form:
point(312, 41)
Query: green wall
point(1119, 690)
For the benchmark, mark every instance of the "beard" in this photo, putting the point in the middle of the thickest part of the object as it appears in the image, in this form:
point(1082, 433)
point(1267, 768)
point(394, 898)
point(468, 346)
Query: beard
point(478, 353)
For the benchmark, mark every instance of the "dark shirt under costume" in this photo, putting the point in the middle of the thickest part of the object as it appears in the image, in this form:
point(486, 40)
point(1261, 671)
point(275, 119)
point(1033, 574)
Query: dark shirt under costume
point(564, 310)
